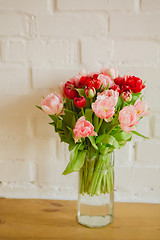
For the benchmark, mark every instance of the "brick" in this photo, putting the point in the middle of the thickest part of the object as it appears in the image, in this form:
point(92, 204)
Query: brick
point(64, 52)
point(95, 5)
point(36, 51)
point(30, 190)
point(58, 25)
point(1, 54)
point(135, 25)
point(134, 51)
point(95, 53)
point(21, 104)
point(39, 6)
point(15, 127)
point(143, 127)
point(16, 149)
point(121, 5)
point(47, 178)
point(44, 150)
point(152, 98)
point(147, 153)
point(123, 156)
point(56, 52)
point(157, 125)
point(13, 51)
point(17, 52)
point(150, 5)
point(13, 77)
point(41, 127)
point(14, 24)
point(123, 179)
point(50, 78)
point(148, 194)
point(17, 171)
point(148, 177)
point(81, 5)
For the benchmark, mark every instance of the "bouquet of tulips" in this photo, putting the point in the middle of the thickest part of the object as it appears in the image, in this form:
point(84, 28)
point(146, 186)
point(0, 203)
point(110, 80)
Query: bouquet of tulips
point(96, 113)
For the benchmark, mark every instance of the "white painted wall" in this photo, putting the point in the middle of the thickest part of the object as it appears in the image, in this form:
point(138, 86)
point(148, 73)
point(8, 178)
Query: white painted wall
point(45, 42)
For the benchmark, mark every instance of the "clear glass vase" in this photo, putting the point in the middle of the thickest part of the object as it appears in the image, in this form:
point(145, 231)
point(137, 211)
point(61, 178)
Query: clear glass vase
point(96, 191)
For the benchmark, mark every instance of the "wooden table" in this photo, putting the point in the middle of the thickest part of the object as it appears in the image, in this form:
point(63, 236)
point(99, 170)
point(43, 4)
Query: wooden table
point(51, 219)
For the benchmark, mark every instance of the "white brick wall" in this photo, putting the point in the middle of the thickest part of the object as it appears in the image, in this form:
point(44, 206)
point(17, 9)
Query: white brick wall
point(43, 43)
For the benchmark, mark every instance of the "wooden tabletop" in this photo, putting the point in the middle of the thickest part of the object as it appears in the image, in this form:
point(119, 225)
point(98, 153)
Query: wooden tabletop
point(53, 219)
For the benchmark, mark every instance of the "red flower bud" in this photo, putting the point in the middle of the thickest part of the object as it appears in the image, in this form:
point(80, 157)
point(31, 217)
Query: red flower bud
point(80, 102)
point(127, 96)
point(116, 88)
point(69, 90)
point(90, 92)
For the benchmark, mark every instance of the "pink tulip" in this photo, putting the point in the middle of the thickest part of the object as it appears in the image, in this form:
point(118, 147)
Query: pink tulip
point(83, 129)
point(113, 72)
point(105, 80)
point(109, 93)
point(104, 106)
point(128, 118)
point(52, 104)
point(141, 108)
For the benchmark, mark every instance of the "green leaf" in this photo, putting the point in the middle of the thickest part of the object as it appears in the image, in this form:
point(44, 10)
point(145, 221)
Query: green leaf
point(76, 161)
point(72, 144)
point(107, 139)
point(119, 103)
point(103, 149)
point(53, 117)
point(38, 107)
point(67, 110)
point(123, 136)
point(92, 140)
point(88, 115)
point(135, 96)
point(80, 91)
point(69, 119)
point(138, 134)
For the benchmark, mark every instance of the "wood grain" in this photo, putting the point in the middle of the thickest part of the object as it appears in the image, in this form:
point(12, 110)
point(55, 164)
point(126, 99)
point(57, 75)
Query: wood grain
point(53, 219)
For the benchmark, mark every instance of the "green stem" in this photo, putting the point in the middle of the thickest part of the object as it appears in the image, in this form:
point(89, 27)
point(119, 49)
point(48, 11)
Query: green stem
point(116, 124)
point(100, 123)
point(91, 101)
point(82, 111)
point(73, 107)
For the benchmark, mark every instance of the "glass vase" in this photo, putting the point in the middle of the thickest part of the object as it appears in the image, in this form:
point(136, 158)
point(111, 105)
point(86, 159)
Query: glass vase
point(96, 191)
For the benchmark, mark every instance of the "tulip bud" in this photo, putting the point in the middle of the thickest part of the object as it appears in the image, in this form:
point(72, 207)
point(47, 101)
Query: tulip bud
point(90, 92)
point(127, 96)
point(80, 102)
